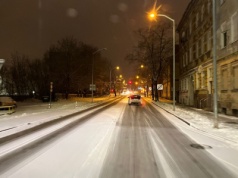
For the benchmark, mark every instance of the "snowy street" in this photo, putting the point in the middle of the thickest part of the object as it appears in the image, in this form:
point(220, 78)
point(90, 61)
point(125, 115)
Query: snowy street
point(122, 141)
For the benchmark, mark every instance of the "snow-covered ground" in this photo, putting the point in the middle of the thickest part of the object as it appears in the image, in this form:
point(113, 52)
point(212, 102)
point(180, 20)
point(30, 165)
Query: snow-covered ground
point(31, 113)
point(204, 121)
point(223, 141)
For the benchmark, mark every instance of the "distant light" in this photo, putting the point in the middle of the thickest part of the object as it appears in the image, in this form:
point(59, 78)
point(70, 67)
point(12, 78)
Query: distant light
point(71, 12)
point(114, 18)
point(122, 7)
point(153, 12)
point(152, 15)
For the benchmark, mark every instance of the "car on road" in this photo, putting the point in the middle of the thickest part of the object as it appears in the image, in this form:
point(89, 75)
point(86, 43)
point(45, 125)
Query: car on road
point(134, 99)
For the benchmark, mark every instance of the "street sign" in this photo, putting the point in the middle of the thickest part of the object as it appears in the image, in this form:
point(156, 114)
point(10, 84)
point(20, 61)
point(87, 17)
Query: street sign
point(159, 86)
point(92, 87)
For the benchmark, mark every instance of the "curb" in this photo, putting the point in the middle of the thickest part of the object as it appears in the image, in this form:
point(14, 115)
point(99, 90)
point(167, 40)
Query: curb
point(186, 122)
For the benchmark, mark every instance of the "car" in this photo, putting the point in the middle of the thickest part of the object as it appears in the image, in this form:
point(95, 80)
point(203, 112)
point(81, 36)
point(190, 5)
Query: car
point(134, 99)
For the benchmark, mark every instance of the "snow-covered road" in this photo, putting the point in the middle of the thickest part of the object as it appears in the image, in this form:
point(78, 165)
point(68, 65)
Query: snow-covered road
point(128, 141)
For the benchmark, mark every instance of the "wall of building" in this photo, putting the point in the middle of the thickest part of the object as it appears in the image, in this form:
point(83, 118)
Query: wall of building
point(196, 56)
point(227, 55)
point(195, 50)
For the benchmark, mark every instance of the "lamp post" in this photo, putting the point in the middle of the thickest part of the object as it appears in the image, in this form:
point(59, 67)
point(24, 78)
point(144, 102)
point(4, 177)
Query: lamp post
point(92, 86)
point(152, 15)
point(117, 68)
point(214, 64)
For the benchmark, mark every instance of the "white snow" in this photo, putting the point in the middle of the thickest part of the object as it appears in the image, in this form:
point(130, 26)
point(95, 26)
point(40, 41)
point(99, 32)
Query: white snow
point(204, 121)
point(224, 141)
point(29, 114)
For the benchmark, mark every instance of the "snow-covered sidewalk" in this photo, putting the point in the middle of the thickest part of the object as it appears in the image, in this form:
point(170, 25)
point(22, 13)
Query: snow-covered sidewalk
point(203, 120)
point(32, 113)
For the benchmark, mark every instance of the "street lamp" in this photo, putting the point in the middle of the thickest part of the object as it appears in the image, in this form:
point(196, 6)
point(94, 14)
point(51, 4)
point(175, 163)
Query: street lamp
point(117, 68)
point(152, 16)
point(92, 86)
point(214, 63)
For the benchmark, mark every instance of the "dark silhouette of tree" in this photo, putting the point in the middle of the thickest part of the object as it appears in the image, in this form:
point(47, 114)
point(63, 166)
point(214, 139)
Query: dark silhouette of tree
point(16, 81)
point(39, 77)
point(153, 49)
point(70, 65)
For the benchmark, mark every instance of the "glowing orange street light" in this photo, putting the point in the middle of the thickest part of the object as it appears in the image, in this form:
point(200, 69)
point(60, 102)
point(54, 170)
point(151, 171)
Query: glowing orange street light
point(152, 16)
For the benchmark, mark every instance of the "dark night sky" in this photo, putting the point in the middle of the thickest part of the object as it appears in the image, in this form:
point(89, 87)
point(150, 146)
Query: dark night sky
point(31, 26)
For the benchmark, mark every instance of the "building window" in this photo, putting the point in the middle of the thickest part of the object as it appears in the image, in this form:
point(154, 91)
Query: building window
point(202, 12)
point(198, 81)
point(194, 51)
point(224, 78)
point(190, 54)
point(204, 79)
point(224, 39)
point(184, 63)
point(200, 47)
point(234, 27)
point(197, 19)
point(205, 43)
point(235, 76)
point(223, 35)
point(190, 27)
point(210, 73)
point(186, 58)
point(209, 41)
point(209, 7)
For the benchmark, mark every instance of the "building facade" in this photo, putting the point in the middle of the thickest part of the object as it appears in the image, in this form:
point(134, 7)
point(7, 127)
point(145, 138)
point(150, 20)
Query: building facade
point(196, 55)
point(227, 56)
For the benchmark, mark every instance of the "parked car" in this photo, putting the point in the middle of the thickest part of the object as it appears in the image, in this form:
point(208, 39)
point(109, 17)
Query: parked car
point(134, 99)
point(7, 101)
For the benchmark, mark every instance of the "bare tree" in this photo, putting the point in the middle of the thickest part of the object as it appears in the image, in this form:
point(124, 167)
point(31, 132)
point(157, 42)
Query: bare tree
point(38, 77)
point(70, 65)
point(16, 81)
point(153, 49)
